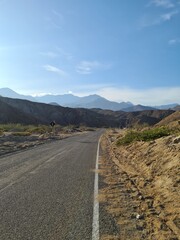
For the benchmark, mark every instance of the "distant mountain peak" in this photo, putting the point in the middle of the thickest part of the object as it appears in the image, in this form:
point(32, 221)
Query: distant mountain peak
point(7, 92)
point(89, 102)
point(6, 89)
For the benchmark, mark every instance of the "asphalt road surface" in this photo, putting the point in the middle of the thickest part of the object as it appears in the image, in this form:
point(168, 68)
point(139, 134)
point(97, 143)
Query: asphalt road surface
point(47, 192)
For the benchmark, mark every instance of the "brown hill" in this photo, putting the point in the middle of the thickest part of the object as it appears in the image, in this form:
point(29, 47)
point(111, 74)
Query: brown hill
point(177, 108)
point(9, 114)
point(24, 111)
point(129, 119)
point(172, 120)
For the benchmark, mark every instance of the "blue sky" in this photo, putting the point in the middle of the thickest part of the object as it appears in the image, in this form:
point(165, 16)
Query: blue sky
point(123, 50)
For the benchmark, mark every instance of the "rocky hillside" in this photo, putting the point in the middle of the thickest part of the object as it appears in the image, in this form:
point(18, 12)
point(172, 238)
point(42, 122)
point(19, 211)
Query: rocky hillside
point(10, 114)
point(129, 119)
point(26, 112)
point(172, 120)
point(23, 111)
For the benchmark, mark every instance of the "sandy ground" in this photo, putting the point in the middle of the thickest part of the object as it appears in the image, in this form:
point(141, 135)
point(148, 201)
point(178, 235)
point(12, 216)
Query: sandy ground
point(10, 143)
point(142, 187)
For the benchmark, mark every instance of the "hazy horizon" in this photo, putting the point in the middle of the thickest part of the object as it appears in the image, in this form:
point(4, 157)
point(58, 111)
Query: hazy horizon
point(70, 93)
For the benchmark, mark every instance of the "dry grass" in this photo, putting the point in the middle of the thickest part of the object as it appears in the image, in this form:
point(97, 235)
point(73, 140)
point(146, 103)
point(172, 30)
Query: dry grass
point(15, 137)
point(142, 191)
point(109, 237)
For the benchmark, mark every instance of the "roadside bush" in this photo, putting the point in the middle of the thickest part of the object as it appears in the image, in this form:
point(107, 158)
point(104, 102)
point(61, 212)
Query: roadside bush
point(21, 134)
point(10, 127)
point(39, 129)
point(146, 135)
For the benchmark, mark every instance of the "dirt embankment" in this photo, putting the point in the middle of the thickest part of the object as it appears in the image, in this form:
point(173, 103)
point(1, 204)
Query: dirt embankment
point(142, 187)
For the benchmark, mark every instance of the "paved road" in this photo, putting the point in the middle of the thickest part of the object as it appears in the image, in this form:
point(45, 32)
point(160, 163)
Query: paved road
point(47, 192)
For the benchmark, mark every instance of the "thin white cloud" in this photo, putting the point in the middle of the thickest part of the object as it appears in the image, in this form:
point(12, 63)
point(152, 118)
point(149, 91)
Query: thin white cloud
point(54, 69)
point(64, 54)
point(49, 54)
point(52, 24)
point(58, 52)
point(58, 14)
point(168, 16)
point(174, 41)
point(88, 67)
point(171, 6)
point(55, 20)
point(163, 3)
point(41, 94)
point(154, 96)
point(89, 89)
point(148, 20)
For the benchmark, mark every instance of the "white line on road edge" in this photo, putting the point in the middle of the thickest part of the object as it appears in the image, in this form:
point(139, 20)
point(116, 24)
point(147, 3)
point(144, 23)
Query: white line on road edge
point(95, 225)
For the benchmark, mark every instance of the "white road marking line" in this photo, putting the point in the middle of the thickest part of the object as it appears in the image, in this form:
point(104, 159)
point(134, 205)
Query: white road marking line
point(95, 225)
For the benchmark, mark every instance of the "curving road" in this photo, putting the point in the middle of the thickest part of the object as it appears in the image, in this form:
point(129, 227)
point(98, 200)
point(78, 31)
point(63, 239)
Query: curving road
point(47, 192)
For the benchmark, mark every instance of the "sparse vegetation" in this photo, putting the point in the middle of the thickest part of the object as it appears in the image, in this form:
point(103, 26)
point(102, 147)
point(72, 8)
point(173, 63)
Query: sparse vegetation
point(21, 134)
point(145, 135)
point(20, 128)
point(141, 189)
point(26, 130)
point(40, 129)
point(14, 137)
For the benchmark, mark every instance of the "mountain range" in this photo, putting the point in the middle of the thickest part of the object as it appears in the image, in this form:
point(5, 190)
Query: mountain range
point(29, 112)
point(88, 102)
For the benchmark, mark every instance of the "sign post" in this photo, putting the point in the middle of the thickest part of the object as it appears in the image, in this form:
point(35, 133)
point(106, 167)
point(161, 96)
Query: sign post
point(53, 123)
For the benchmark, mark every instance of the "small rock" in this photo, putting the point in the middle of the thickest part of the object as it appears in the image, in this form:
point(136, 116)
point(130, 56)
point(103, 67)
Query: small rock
point(177, 140)
point(140, 197)
point(139, 216)
point(134, 214)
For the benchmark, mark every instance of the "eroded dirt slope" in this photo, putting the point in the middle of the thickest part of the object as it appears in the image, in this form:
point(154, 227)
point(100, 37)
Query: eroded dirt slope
point(142, 191)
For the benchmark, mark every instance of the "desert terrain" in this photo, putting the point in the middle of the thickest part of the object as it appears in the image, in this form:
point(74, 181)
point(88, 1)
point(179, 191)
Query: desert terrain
point(142, 184)
point(17, 137)
point(141, 175)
